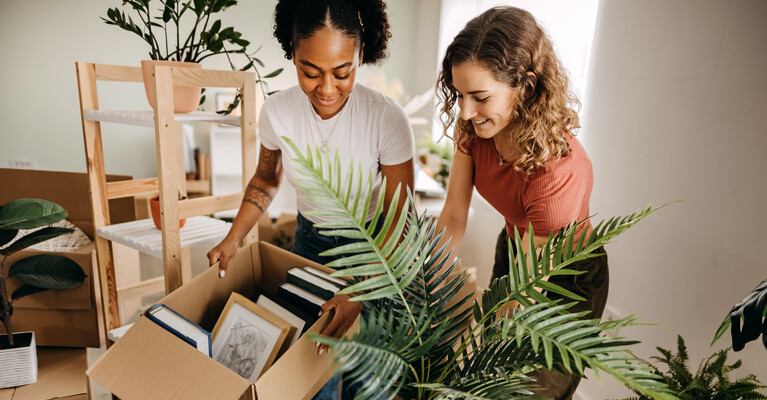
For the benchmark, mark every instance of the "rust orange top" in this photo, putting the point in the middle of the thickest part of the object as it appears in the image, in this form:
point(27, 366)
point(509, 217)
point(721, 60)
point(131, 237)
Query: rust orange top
point(550, 199)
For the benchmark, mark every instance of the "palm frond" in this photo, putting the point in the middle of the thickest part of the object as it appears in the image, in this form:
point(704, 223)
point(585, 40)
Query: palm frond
point(485, 385)
point(573, 343)
point(381, 352)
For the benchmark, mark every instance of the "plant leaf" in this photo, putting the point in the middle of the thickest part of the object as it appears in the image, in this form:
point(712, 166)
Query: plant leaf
point(34, 238)
point(48, 271)
point(30, 214)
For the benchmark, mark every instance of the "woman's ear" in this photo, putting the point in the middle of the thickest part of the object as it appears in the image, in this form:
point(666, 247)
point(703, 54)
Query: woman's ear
point(528, 85)
point(362, 53)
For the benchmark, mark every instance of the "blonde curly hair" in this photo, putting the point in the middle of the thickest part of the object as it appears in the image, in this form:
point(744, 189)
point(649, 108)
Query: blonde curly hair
point(515, 49)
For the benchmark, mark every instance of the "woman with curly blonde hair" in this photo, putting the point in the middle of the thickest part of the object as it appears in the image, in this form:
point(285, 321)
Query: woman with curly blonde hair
point(515, 143)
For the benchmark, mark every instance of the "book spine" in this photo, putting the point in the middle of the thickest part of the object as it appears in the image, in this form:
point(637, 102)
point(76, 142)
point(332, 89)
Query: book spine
point(303, 304)
point(325, 294)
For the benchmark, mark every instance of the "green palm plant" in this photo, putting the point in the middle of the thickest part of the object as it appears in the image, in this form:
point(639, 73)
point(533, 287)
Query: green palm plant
point(416, 340)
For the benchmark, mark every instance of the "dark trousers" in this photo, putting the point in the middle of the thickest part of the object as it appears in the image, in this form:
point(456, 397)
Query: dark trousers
point(593, 286)
point(309, 243)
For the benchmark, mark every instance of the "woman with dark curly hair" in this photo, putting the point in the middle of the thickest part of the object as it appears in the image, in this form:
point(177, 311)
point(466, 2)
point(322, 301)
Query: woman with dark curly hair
point(328, 40)
point(515, 144)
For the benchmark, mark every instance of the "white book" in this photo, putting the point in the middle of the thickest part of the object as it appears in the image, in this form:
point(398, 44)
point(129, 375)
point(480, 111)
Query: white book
point(303, 294)
point(181, 327)
point(281, 312)
point(325, 275)
point(319, 282)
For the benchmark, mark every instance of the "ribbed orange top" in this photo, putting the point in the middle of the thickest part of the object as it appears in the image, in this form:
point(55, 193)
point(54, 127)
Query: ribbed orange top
point(550, 199)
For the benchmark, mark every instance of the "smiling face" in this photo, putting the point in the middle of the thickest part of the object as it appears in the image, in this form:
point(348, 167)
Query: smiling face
point(485, 102)
point(326, 64)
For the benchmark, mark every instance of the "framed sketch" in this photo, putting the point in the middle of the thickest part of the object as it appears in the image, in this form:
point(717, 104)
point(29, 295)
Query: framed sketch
point(247, 337)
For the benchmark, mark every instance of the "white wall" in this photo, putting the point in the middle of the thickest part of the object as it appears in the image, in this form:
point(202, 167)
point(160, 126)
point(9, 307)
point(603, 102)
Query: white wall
point(43, 39)
point(676, 102)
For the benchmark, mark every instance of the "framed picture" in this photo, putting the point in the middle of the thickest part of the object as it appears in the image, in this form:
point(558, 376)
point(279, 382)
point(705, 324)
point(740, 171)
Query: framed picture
point(247, 337)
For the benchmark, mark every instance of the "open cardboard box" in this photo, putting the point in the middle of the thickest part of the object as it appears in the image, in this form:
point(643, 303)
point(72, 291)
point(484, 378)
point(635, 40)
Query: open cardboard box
point(70, 318)
point(149, 362)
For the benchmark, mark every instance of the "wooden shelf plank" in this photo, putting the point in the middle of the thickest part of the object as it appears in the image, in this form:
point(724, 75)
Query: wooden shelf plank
point(143, 236)
point(146, 117)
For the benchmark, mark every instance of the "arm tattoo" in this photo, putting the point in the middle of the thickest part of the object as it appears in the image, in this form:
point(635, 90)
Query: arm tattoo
point(268, 171)
point(257, 196)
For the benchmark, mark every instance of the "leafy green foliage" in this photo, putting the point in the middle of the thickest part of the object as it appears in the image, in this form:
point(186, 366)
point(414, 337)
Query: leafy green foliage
point(40, 272)
point(417, 340)
point(161, 29)
point(752, 310)
point(711, 381)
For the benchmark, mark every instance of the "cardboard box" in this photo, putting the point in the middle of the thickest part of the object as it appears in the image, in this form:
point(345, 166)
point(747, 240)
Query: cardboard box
point(66, 318)
point(60, 375)
point(149, 362)
point(71, 318)
point(279, 232)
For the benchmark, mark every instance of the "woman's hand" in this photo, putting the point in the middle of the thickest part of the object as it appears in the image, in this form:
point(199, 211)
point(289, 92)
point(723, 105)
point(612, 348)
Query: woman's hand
point(222, 253)
point(345, 312)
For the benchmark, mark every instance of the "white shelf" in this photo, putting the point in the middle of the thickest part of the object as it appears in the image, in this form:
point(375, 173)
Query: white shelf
point(142, 235)
point(146, 117)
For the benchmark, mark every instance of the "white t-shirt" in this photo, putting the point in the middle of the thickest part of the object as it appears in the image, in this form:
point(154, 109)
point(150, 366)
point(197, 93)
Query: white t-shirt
point(370, 129)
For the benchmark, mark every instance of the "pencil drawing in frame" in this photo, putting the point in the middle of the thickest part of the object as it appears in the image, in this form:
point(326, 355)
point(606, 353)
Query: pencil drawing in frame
point(248, 337)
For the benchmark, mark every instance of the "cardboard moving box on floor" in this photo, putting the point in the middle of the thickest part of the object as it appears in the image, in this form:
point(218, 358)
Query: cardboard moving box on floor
point(60, 375)
point(71, 318)
point(149, 362)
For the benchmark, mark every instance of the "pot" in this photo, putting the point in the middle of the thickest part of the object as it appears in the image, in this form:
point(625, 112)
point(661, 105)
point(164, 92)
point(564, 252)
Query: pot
point(18, 364)
point(185, 98)
point(154, 208)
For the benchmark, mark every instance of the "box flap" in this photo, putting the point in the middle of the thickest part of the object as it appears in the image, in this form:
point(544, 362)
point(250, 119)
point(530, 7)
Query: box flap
point(150, 363)
point(299, 373)
point(60, 375)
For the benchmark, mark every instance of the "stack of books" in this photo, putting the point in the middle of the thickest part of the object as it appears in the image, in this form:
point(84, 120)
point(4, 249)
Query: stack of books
point(250, 335)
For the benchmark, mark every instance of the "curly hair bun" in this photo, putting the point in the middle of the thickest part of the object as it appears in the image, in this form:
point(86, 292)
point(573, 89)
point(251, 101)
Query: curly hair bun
point(365, 20)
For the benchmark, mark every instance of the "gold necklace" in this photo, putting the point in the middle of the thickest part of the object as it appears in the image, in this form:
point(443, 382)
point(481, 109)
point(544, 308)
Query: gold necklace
point(500, 157)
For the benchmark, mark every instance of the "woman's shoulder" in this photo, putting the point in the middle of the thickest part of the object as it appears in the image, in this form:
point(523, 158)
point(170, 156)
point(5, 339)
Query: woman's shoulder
point(375, 99)
point(577, 162)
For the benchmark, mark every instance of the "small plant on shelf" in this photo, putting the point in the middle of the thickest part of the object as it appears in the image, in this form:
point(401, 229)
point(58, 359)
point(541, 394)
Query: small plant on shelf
point(187, 31)
point(39, 272)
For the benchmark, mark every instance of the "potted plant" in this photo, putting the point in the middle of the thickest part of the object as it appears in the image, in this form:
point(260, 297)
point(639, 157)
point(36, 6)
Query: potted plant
point(154, 209)
point(416, 340)
point(711, 381)
point(183, 33)
point(18, 360)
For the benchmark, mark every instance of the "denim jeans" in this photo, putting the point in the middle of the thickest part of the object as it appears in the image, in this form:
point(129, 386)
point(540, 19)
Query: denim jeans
point(308, 243)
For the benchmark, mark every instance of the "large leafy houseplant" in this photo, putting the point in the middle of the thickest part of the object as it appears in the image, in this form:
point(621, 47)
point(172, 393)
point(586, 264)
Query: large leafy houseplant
point(187, 31)
point(711, 381)
point(39, 272)
point(416, 340)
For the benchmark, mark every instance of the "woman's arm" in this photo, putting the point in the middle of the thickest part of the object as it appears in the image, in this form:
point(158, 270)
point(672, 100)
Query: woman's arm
point(399, 174)
point(258, 195)
point(456, 210)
